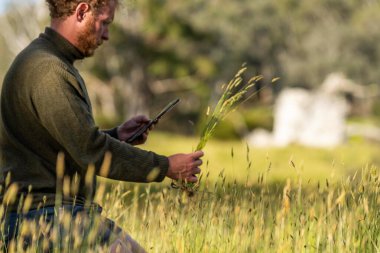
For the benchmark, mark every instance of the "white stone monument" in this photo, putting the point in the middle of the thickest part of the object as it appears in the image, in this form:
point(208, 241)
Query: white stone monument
point(310, 118)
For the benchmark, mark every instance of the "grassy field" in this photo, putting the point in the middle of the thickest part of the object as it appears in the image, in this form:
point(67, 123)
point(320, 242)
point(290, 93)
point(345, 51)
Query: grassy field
point(292, 199)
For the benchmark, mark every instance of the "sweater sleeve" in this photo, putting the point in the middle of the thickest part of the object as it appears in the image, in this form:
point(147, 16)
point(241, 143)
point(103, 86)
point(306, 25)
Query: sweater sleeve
point(61, 107)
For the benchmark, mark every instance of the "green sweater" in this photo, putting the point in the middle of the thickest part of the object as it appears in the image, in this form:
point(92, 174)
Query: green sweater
point(45, 109)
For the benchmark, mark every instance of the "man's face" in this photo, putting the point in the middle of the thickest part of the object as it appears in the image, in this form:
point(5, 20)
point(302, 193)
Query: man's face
point(96, 29)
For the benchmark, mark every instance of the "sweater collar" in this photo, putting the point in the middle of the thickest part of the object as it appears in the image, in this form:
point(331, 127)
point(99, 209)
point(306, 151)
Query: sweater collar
point(68, 50)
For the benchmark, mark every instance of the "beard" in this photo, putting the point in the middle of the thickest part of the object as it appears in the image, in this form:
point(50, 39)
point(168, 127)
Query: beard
point(87, 41)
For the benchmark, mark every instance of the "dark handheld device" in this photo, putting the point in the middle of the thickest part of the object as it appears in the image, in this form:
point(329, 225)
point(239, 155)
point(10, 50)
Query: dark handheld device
point(145, 127)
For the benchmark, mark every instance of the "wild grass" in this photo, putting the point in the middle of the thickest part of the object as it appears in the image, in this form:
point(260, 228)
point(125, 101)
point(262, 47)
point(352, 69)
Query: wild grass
point(254, 200)
point(233, 94)
point(292, 216)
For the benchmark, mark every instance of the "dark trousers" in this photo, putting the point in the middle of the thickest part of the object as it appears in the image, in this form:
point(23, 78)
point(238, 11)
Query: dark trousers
point(68, 227)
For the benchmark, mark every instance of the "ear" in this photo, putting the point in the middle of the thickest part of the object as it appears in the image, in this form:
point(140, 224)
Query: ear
point(81, 11)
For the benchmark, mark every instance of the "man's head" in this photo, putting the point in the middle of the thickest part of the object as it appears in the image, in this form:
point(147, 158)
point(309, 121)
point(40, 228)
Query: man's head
point(83, 22)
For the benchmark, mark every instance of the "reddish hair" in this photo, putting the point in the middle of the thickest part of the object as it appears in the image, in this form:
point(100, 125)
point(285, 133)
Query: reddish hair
point(64, 8)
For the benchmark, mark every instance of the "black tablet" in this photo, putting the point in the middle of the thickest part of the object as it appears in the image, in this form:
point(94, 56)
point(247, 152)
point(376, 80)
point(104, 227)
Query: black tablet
point(145, 127)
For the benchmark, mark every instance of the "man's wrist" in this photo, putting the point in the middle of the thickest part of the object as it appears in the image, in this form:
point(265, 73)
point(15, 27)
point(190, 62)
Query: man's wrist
point(113, 132)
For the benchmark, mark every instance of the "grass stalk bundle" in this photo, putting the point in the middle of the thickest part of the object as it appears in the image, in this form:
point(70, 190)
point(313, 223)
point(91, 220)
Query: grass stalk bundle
point(236, 92)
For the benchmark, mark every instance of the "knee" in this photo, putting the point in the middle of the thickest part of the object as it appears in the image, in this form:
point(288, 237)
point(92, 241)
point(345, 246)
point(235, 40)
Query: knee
point(119, 246)
point(129, 244)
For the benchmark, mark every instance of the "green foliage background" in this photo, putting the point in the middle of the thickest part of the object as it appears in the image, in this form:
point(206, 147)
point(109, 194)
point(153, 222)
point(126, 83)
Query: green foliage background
point(160, 50)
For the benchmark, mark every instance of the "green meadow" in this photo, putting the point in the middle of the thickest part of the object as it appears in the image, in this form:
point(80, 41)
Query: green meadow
point(240, 163)
point(293, 199)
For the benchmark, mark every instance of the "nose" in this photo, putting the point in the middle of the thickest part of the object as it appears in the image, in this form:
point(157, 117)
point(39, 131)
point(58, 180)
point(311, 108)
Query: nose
point(105, 34)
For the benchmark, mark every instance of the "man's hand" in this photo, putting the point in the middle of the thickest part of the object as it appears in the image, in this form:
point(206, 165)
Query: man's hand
point(128, 128)
point(185, 166)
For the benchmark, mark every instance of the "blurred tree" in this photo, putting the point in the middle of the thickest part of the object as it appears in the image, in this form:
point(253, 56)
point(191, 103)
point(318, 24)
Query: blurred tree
point(18, 29)
point(331, 36)
point(159, 55)
point(161, 49)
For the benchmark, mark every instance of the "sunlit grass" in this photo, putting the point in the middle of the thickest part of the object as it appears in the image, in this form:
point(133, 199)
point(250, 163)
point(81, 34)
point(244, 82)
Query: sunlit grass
point(292, 216)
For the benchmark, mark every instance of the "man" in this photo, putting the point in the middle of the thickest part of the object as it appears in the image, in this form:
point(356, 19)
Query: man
point(45, 110)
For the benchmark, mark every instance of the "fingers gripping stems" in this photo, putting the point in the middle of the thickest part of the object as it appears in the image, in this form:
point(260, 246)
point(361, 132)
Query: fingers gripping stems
point(185, 166)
